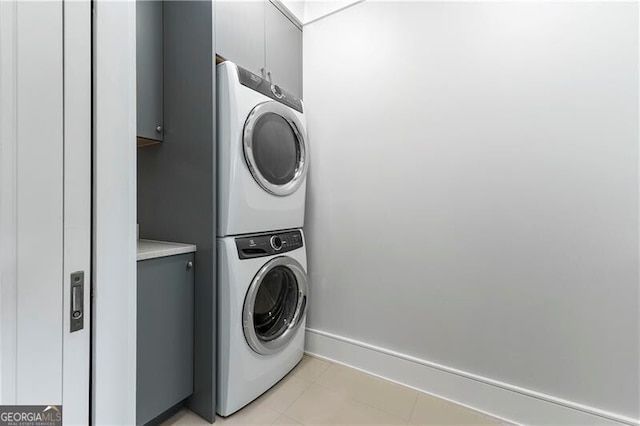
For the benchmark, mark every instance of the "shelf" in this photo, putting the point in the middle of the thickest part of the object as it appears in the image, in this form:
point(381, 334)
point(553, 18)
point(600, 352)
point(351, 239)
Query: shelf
point(140, 142)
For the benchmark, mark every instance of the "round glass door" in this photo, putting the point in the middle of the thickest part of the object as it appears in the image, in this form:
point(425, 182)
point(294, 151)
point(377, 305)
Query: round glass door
point(275, 305)
point(274, 148)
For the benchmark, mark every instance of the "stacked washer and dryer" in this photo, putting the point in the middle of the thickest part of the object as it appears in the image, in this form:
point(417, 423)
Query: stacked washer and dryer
point(263, 158)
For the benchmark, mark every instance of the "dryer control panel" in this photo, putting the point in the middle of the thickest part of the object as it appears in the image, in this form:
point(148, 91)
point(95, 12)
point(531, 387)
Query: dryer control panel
point(269, 89)
point(270, 244)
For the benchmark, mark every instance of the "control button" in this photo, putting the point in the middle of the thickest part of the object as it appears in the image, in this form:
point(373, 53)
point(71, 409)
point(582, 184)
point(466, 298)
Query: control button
point(276, 91)
point(276, 242)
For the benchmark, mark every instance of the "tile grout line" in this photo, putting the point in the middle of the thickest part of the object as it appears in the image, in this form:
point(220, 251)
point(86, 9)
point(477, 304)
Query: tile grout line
point(419, 391)
point(350, 399)
point(366, 403)
point(314, 381)
point(309, 383)
point(284, 412)
point(413, 407)
point(294, 401)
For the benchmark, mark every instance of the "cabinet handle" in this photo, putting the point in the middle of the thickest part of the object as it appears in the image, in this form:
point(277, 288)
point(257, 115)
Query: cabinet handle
point(159, 129)
point(189, 266)
point(262, 72)
point(269, 75)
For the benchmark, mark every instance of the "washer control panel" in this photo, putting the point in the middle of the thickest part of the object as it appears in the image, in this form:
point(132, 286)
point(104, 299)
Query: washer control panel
point(271, 244)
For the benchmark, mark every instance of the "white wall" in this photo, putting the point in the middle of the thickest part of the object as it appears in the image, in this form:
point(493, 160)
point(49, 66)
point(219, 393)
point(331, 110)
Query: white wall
point(114, 209)
point(473, 195)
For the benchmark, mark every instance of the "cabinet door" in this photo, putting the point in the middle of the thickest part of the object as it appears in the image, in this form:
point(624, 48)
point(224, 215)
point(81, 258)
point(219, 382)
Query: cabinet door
point(149, 76)
point(239, 27)
point(164, 334)
point(283, 51)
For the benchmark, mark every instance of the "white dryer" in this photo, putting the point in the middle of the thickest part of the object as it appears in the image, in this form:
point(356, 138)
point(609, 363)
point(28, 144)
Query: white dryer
point(263, 154)
point(262, 303)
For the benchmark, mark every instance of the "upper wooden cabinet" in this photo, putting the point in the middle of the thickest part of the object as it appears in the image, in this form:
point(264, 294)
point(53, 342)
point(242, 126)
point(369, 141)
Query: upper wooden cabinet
point(259, 37)
point(149, 74)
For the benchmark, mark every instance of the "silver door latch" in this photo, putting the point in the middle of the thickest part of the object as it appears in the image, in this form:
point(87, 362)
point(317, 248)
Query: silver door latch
point(77, 301)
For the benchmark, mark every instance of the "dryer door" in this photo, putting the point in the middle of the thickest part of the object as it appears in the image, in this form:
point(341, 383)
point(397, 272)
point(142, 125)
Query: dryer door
point(274, 305)
point(275, 148)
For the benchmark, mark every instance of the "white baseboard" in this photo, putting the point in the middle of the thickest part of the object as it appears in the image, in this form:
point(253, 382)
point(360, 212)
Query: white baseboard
point(508, 402)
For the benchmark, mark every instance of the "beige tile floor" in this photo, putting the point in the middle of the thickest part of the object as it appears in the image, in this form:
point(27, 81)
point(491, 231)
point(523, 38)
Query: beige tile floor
point(318, 392)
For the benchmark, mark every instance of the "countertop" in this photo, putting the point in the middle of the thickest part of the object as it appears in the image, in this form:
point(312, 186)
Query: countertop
point(151, 249)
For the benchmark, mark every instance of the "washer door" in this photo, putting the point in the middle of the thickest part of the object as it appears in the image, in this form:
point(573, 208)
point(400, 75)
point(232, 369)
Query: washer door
point(275, 148)
point(275, 305)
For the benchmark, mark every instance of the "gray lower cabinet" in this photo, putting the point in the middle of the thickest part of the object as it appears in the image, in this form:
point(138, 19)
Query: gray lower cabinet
point(149, 74)
point(283, 45)
point(164, 334)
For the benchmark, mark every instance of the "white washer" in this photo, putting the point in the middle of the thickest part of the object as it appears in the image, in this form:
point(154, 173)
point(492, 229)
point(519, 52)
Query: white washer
point(263, 154)
point(262, 303)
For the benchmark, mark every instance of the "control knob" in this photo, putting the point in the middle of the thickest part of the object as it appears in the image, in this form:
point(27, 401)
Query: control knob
point(276, 242)
point(277, 92)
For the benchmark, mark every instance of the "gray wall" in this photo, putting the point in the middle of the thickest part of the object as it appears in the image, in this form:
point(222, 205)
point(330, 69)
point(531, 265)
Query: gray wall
point(473, 194)
point(176, 179)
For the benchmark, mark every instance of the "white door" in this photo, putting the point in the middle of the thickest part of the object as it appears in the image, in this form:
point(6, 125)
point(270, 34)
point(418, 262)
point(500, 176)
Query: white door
point(45, 204)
